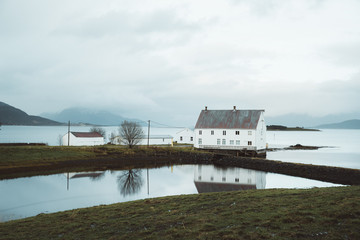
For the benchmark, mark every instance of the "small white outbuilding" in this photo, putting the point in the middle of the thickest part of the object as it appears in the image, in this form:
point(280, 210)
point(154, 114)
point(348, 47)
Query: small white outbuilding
point(82, 139)
point(157, 140)
point(185, 136)
point(153, 140)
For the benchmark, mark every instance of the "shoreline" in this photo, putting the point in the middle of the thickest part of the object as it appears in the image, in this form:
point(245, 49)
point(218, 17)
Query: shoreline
point(107, 158)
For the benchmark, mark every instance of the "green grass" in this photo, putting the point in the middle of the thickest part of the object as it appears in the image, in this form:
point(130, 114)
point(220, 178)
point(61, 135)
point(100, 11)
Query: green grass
point(13, 156)
point(319, 213)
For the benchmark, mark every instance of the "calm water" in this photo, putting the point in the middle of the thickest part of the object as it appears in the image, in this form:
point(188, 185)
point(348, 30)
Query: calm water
point(24, 197)
point(343, 147)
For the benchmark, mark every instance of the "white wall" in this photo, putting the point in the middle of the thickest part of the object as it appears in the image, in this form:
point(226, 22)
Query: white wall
point(185, 136)
point(209, 139)
point(74, 141)
point(166, 140)
point(261, 133)
point(157, 141)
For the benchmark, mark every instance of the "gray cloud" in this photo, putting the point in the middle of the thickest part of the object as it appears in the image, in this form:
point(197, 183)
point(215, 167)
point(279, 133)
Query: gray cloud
point(169, 60)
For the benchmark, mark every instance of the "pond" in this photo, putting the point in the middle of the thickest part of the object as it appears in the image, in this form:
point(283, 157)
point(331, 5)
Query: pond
point(24, 197)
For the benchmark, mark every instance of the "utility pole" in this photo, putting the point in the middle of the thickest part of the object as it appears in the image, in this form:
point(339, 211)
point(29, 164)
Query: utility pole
point(147, 171)
point(69, 134)
point(148, 142)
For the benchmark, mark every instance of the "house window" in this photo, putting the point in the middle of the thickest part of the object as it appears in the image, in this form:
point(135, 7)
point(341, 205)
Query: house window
point(200, 132)
point(218, 141)
point(224, 179)
point(249, 133)
point(237, 142)
point(249, 143)
point(231, 142)
point(191, 139)
point(237, 132)
point(180, 138)
point(212, 132)
point(211, 178)
point(236, 180)
point(200, 140)
point(224, 132)
point(224, 142)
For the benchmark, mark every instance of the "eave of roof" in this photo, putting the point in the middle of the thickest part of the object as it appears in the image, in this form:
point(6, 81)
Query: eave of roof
point(87, 134)
point(204, 187)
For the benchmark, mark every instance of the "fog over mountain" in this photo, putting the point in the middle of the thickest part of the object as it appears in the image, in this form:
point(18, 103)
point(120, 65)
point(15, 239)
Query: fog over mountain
point(10, 115)
point(91, 116)
point(303, 120)
point(349, 124)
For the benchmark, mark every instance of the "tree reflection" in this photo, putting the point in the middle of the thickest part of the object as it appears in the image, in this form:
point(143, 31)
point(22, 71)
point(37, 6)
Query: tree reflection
point(129, 182)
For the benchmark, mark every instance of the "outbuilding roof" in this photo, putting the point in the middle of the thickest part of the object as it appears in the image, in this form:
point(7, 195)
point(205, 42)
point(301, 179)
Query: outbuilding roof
point(240, 119)
point(86, 134)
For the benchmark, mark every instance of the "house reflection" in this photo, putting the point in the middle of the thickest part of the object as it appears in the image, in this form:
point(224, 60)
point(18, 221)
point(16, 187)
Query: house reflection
point(208, 178)
point(94, 176)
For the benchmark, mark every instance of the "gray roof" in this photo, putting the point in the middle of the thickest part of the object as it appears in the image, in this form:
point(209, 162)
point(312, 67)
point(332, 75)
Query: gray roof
point(87, 134)
point(205, 187)
point(240, 119)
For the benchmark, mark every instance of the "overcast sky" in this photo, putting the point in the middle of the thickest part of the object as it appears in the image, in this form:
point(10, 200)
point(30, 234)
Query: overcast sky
point(168, 59)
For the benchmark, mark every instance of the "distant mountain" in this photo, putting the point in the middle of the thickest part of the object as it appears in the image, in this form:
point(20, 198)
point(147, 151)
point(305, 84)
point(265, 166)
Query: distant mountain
point(89, 116)
point(10, 115)
point(349, 124)
point(307, 121)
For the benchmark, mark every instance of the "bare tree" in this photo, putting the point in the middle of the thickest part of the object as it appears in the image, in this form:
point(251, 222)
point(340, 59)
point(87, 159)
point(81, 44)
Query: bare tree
point(130, 133)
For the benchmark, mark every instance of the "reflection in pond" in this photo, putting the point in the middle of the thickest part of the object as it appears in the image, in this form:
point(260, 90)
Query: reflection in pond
point(208, 178)
point(93, 176)
point(23, 197)
point(130, 181)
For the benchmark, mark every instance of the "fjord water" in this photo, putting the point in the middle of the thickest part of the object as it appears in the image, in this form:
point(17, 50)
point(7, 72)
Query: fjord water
point(342, 146)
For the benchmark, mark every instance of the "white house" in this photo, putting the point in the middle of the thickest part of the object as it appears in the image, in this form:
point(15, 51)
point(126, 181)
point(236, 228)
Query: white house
point(231, 129)
point(209, 179)
point(185, 136)
point(82, 139)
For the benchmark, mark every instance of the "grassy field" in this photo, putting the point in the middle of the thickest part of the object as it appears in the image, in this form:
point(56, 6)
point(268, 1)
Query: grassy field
point(18, 156)
point(319, 213)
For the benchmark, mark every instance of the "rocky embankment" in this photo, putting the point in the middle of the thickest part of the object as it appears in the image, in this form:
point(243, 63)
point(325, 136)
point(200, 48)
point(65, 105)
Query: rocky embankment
point(165, 157)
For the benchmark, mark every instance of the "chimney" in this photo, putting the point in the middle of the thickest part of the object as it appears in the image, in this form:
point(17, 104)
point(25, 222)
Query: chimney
point(234, 108)
point(205, 108)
